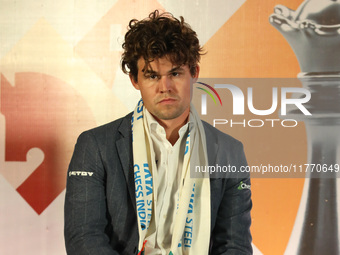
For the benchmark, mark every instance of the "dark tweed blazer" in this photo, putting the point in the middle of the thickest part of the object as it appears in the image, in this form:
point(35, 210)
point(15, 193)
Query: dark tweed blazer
point(100, 203)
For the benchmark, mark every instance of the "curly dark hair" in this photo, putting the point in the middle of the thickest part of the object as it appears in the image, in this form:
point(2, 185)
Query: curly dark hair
point(158, 36)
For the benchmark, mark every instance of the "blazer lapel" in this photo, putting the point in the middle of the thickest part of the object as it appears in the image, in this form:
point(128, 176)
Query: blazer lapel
point(212, 145)
point(124, 148)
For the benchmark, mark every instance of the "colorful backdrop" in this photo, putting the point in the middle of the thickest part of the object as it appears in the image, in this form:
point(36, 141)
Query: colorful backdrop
point(60, 75)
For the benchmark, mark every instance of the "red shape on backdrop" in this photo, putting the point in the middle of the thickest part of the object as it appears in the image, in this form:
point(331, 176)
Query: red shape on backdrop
point(44, 112)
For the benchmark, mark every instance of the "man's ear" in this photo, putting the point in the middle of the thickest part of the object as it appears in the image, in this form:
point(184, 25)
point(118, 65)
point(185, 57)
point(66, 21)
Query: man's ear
point(195, 77)
point(134, 83)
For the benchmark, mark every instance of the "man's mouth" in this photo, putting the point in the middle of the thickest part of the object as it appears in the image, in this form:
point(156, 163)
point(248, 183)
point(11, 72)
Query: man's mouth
point(167, 100)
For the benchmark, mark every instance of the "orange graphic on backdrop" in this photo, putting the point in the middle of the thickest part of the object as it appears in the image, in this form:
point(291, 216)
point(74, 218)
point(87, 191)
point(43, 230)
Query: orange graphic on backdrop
point(247, 46)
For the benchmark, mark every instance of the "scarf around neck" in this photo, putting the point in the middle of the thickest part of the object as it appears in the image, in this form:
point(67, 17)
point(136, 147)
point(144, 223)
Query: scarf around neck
point(191, 233)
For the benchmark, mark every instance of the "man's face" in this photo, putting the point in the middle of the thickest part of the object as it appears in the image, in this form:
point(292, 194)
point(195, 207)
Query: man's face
point(165, 88)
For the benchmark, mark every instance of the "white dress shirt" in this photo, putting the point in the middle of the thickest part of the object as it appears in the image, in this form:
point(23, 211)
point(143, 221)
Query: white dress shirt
point(166, 183)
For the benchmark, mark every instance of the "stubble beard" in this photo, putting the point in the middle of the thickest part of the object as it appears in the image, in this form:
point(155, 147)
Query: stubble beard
point(169, 112)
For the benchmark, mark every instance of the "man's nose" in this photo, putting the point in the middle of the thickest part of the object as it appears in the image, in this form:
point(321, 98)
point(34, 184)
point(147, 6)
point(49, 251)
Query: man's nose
point(165, 83)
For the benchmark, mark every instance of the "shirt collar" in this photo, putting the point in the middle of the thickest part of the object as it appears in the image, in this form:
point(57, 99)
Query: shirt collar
point(155, 127)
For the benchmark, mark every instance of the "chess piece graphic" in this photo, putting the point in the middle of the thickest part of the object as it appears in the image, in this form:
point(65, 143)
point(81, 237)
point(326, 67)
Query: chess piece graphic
point(313, 32)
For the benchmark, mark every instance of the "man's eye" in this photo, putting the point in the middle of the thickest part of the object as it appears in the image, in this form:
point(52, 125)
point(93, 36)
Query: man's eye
point(175, 74)
point(152, 76)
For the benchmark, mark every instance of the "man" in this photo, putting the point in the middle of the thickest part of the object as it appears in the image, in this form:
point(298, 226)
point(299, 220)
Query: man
point(135, 194)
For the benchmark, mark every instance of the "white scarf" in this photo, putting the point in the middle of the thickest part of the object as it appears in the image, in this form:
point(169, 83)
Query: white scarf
point(191, 233)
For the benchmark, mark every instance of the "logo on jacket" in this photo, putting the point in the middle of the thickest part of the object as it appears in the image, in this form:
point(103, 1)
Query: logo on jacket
point(243, 186)
point(80, 173)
